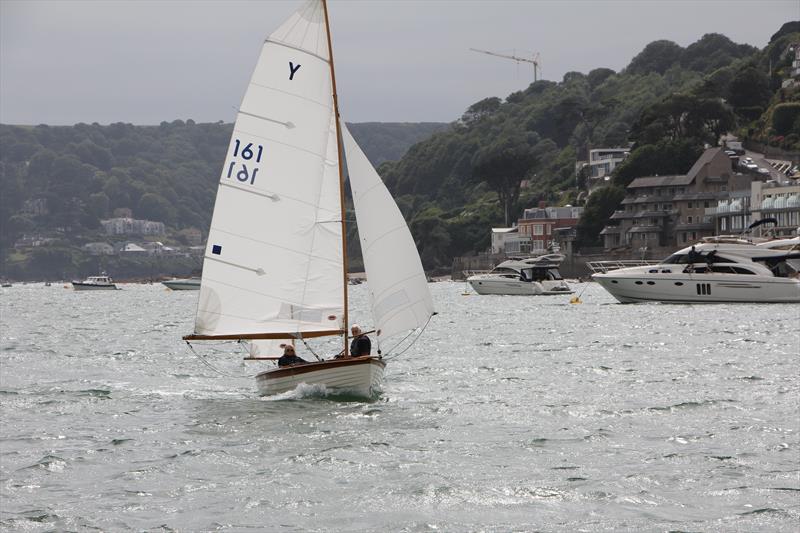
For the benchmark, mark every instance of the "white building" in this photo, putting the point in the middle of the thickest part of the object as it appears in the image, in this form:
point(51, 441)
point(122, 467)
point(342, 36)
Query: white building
point(130, 226)
point(603, 161)
point(98, 248)
point(499, 238)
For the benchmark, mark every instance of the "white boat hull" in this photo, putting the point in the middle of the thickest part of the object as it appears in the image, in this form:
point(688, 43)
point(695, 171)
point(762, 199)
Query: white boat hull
point(92, 287)
point(488, 284)
point(358, 375)
point(182, 284)
point(699, 288)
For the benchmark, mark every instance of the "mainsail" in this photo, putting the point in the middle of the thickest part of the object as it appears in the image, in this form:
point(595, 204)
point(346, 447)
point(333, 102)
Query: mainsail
point(398, 287)
point(273, 261)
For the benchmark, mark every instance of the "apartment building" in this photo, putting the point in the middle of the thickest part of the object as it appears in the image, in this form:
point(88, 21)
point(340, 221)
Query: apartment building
point(669, 211)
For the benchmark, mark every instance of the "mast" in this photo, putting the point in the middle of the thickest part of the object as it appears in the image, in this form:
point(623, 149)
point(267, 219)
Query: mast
point(341, 174)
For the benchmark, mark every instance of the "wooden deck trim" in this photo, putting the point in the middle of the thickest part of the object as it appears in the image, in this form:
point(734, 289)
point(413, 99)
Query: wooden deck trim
point(296, 370)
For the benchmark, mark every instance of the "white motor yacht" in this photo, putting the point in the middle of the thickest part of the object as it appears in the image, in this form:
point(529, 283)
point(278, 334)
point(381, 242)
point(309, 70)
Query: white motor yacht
point(530, 277)
point(95, 283)
point(191, 284)
point(717, 270)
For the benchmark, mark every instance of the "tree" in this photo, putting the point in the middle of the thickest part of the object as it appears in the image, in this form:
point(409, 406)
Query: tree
point(599, 207)
point(481, 109)
point(749, 88)
point(154, 207)
point(784, 118)
point(662, 159)
point(657, 56)
point(503, 166)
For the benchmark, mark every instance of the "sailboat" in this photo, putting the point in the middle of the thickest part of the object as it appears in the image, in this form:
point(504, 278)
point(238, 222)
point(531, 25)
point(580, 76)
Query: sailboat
point(275, 265)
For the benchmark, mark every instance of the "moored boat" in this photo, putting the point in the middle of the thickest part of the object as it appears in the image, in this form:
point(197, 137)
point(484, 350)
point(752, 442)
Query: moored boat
point(534, 276)
point(719, 270)
point(95, 283)
point(191, 284)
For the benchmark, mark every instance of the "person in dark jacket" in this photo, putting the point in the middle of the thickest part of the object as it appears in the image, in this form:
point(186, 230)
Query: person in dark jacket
point(361, 345)
point(289, 357)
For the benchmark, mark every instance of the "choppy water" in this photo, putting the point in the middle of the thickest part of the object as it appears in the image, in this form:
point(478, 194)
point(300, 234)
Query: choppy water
point(511, 414)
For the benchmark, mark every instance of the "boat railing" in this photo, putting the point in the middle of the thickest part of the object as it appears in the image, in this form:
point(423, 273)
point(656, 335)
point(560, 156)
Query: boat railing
point(601, 267)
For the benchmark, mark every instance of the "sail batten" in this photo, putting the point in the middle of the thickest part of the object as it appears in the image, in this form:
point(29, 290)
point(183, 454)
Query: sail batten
point(273, 263)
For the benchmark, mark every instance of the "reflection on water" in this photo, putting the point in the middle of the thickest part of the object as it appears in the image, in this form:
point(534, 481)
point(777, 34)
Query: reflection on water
point(511, 413)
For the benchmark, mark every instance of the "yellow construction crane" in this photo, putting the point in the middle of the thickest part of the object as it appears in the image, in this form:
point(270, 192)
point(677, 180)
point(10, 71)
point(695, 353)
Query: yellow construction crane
point(534, 60)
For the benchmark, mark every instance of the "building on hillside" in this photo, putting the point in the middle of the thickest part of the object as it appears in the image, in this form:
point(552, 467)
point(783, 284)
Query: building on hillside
point(98, 248)
point(130, 226)
point(35, 207)
point(603, 161)
point(32, 241)
point(539, 224)
point(793, 51)
point(499, 236)
point(670, 211)
point(131, 248)
point(781, 202)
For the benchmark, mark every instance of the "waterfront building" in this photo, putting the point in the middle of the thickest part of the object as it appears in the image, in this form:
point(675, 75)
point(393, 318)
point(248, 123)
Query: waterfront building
point(670, 211)
point(540, 225)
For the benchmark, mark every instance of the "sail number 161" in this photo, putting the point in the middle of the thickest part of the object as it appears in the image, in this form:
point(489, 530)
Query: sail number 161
point(243, 174)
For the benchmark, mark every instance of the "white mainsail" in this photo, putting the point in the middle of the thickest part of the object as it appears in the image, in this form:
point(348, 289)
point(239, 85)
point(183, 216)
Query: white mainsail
point(398, 287)
point(273, 262)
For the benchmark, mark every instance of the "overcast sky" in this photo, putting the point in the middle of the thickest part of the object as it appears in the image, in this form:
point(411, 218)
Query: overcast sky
point(63, 62)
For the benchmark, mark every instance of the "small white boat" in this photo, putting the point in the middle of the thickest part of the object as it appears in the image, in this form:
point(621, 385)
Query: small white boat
point(191, 284)
point(275, 267)
point(533, 276)
point(95, 283)
point(718, 270)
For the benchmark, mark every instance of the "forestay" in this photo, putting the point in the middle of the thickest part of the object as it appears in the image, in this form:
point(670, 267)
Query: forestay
point(398, 287)
point(273, 262)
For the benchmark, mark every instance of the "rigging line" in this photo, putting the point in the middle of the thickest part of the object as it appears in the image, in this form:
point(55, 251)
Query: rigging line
point(212, 367)
point(392, 356)
point(311, 349)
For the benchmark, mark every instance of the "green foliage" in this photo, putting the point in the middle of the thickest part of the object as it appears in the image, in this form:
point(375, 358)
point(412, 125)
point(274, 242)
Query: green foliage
point(599, 207)
point(389, 141)
point(657, 57)
point(749, 88)
point(785, 118)
point(503, 165)
point(667, 157)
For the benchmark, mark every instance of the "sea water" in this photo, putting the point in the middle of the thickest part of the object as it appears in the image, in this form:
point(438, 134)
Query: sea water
point(510, 413)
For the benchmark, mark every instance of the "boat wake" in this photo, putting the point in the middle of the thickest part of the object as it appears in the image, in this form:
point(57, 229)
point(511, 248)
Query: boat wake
point(316, 391)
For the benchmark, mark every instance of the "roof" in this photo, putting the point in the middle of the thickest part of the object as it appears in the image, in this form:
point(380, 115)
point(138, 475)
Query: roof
point(660, 181)
point(504, 230)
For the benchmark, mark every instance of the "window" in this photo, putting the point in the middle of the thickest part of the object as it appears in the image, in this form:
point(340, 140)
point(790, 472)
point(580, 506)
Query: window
point(694, 235)
point(537, 229)
point(689, 219)
point(690, 205)
point(706, 204)
point(683, 236)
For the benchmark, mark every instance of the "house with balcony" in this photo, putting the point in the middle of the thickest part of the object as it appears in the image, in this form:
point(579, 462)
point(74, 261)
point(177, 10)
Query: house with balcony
point(670, 211)
point(541, 225)
point(603, 161)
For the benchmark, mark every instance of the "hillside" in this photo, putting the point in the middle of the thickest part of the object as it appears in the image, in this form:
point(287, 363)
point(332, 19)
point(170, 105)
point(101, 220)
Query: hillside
point(452, 182)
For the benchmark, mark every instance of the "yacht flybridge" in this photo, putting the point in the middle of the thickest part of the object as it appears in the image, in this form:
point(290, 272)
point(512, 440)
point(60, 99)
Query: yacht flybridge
point(722, 269)
point(527, 277)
